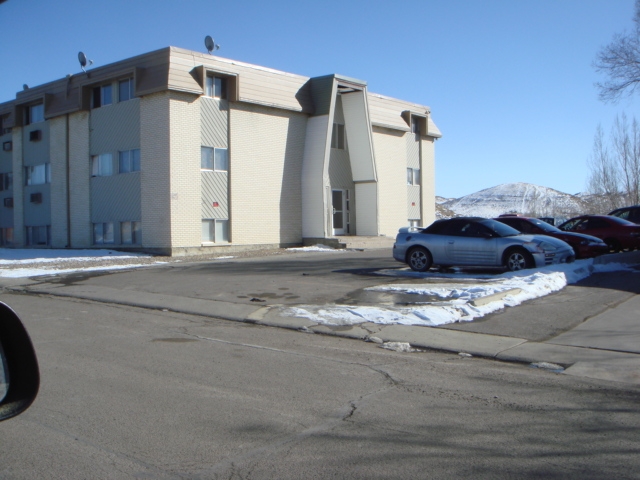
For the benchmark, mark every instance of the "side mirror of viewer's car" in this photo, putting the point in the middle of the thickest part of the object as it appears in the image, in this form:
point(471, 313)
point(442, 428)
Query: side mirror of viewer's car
point(19, 374)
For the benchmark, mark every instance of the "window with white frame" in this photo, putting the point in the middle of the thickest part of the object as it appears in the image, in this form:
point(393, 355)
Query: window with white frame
point(129, 161)
point(125, 90)
point(35, 114)
point(102, 95)
point(215, 231)
point(216, 87)
point(6, 181)
point(37, 174)
point(337, 136)
point(413, 176)
point(6, 236)
point(102, 165)
point(40, 235)
point(215, 159)
point(103, 233)
point(130, 233)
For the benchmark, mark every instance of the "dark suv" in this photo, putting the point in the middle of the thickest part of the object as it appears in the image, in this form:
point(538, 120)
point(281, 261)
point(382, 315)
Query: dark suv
point(628, 213)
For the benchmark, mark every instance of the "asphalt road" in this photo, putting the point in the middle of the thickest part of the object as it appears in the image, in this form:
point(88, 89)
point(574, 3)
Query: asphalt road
point(138, 393)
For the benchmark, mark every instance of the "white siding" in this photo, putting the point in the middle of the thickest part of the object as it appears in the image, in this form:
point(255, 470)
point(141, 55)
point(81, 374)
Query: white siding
point(358, 130)
point(313, 173)
point(367, 208)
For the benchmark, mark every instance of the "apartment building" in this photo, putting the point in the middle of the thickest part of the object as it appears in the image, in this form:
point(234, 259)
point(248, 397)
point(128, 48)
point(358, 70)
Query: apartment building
point(178, 152)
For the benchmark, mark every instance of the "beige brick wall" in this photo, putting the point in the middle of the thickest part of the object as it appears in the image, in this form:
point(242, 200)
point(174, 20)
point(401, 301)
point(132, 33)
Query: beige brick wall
point(79, 176)
point(265, 156)
point(186, 196)
point(170, 170)
point(391, 165)
point(58, 158)
point(155, 156)
point(428, 180)
point(18, 188)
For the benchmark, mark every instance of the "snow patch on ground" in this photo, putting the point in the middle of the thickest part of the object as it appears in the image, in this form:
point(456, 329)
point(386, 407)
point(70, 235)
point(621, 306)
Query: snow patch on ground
point(455, 305)
point(316, 248)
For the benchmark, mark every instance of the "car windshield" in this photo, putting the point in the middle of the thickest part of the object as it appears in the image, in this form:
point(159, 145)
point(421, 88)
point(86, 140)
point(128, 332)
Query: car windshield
point(499, 228)
point(544, 226)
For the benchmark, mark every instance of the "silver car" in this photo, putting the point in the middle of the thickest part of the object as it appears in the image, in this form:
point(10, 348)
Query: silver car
point(474, 241)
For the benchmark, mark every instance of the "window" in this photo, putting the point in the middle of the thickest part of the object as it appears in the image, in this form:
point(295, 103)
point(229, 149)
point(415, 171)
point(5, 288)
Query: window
point(6, 181)
point(337, 136)
point(413, 176)
point(130, 233)
point(34, 114)
point(125, 90)
point(415, 125)
point(38, 174)
point(129, 161)
point(6, 236)
point(102, 96)
point(215, 231)
point(102, 165)
point(38, 235)
point(103, 233)
point(214, 159)
point(216, 87)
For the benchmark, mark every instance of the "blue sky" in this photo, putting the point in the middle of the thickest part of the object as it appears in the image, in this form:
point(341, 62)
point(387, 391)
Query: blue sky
point(509, 82)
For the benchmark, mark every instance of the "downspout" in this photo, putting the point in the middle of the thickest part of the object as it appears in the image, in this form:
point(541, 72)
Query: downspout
point(68, 192)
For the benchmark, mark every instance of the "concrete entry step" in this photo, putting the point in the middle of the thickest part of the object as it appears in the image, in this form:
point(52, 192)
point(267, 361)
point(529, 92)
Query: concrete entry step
point(366, 241)
point(352, 241)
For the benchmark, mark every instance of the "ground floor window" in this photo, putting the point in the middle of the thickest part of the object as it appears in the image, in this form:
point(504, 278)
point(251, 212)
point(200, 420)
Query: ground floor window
point(40, 235)
point(103, 233)
point(6, 236)
point(130, 233)
point(215, 231)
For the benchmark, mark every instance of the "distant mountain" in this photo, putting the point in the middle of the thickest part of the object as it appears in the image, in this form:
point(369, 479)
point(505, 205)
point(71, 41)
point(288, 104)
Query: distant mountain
point(523, 198)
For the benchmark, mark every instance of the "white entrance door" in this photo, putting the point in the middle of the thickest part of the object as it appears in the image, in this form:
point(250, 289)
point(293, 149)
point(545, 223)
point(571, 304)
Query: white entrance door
point(339, 200)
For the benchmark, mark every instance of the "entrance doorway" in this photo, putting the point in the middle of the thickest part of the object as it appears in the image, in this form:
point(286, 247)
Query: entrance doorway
point(340, 217)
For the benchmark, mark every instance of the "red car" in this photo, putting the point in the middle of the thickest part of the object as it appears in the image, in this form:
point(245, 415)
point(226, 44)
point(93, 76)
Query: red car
point(584, 246)
point(619, 234)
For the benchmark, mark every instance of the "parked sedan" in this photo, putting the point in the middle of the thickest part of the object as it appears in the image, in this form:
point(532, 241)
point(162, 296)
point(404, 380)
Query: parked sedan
point(628, 213)
point(474, 241)
point(619, 234)
point(585, 246)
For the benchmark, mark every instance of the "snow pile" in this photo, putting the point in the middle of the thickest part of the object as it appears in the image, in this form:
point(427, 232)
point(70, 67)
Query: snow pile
point(456, 298)
point(316, 248)
point(21, 263)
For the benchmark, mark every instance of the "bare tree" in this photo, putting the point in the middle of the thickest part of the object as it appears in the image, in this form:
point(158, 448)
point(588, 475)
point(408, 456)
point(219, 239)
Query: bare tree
point(603, 177)
point(620, 61)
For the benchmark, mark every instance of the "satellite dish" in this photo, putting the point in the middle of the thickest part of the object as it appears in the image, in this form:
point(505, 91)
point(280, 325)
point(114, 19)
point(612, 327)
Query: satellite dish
point(210, 44)
point(82, 58)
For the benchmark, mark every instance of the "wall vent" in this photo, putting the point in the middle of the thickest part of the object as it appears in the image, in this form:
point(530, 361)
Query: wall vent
point(36, 197)
point(7, 146)
point(8, 202)
point(35, 135)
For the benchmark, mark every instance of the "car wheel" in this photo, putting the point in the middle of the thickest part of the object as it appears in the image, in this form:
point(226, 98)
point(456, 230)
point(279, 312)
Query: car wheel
point(419, 259)
point(518, 259)
point(614, 245)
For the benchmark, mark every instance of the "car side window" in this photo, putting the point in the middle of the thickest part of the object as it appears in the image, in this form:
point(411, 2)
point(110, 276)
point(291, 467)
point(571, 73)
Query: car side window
point(597, 223)
point(524, 227)
point(454, 228)
point(623, 214)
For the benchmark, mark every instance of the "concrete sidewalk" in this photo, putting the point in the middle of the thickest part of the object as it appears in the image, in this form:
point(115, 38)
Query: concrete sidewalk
point(605, 346)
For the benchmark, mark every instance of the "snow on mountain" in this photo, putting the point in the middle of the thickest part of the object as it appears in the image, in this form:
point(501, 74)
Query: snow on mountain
point(523, 198)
